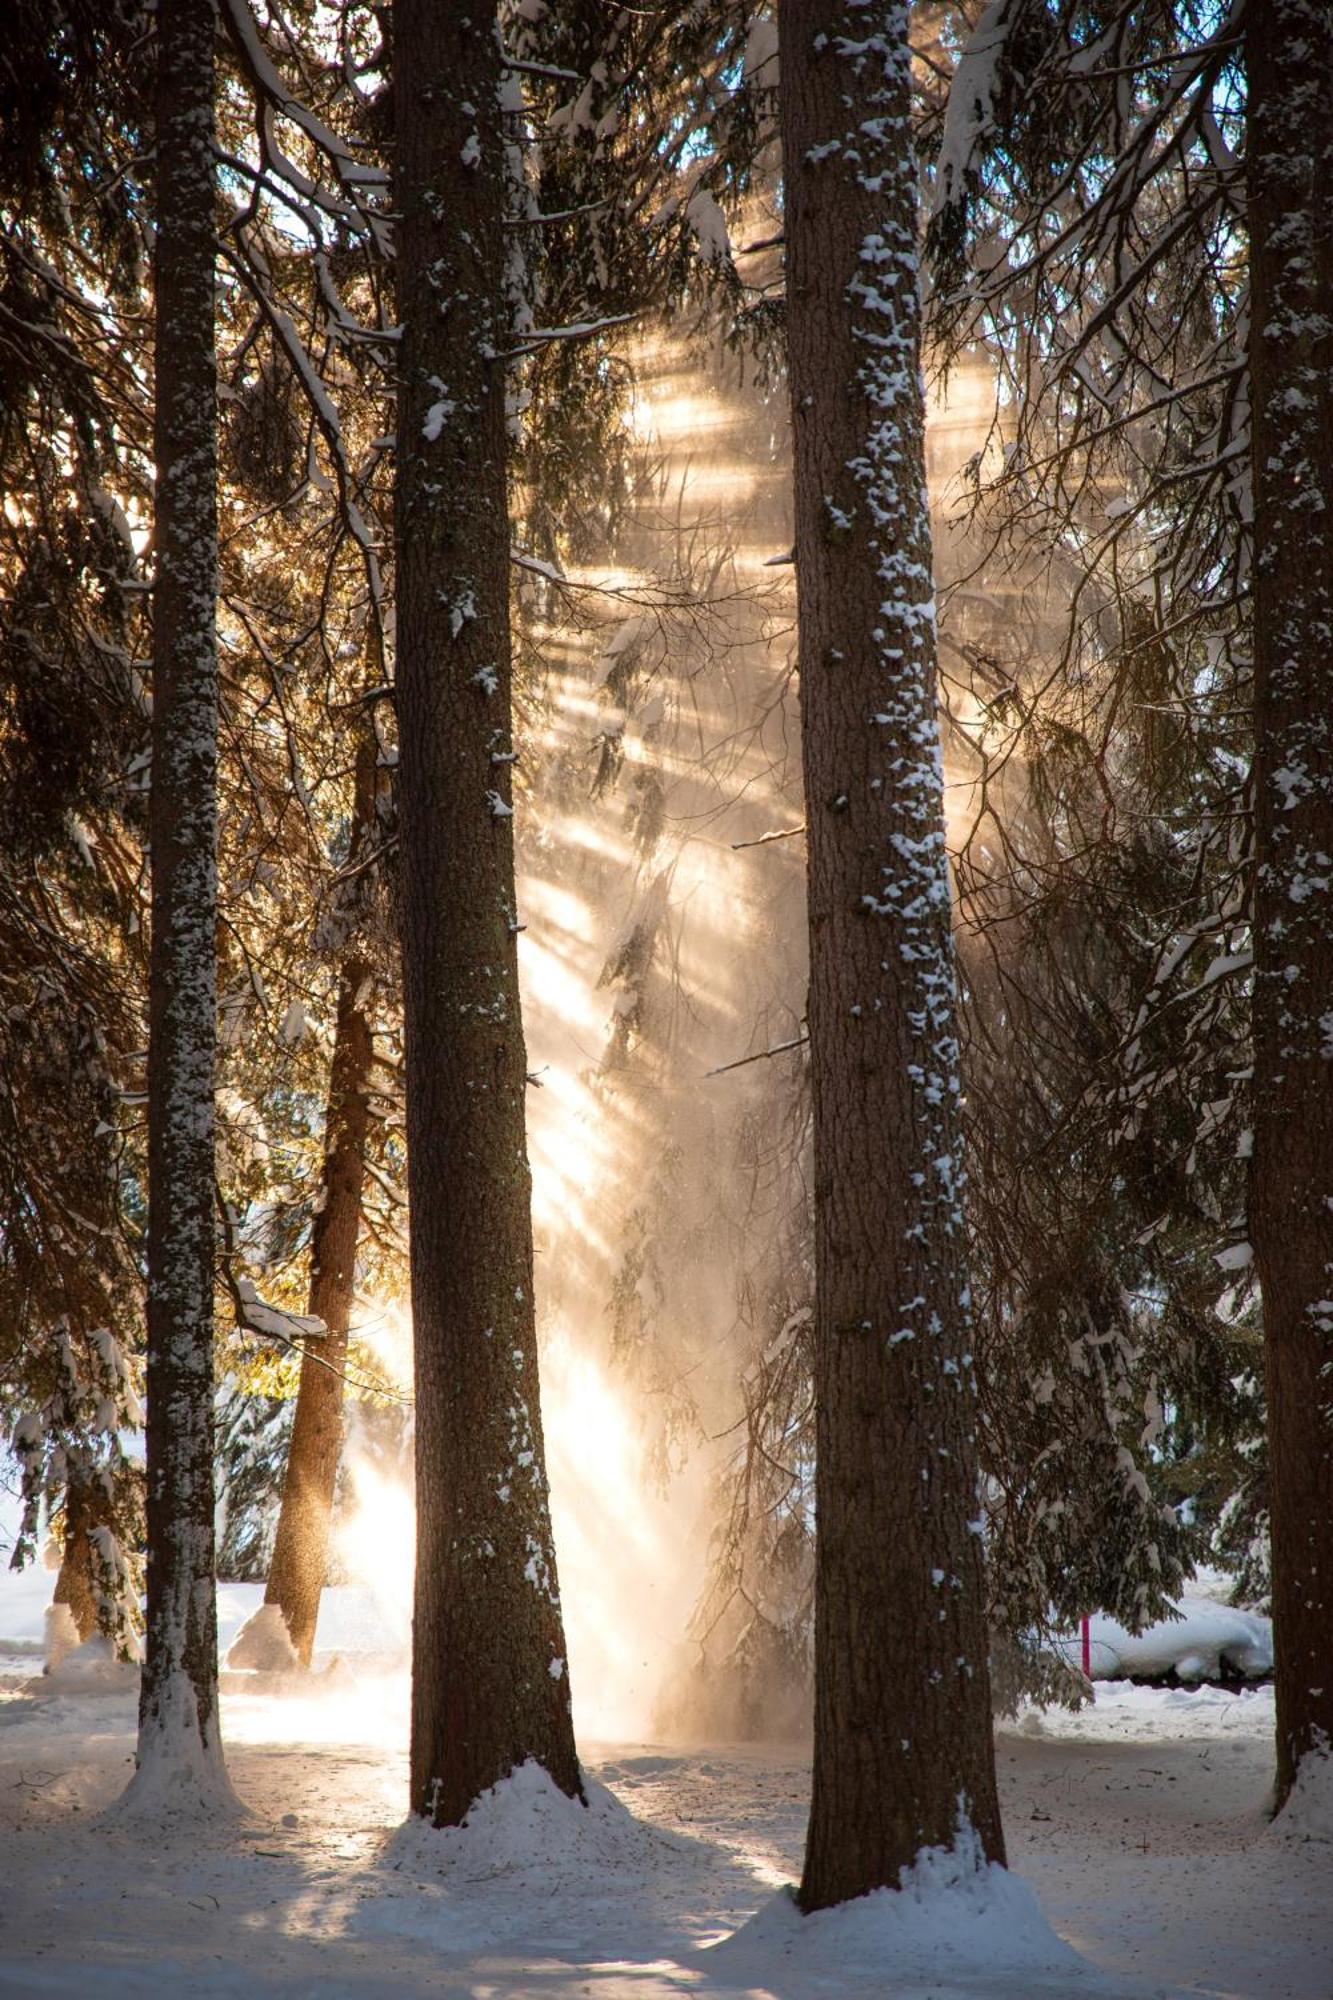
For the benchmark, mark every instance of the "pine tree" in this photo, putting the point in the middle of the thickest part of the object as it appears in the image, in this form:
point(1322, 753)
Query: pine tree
point(1289, 161)
point(490, 1686)
point(300, 1548)
point(73, 434)
point(180, 1759)
point(1148, 357)
point(903, 1752)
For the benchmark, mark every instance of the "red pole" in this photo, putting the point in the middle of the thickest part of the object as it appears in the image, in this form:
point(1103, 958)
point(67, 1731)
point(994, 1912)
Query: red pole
point(1087, 1648)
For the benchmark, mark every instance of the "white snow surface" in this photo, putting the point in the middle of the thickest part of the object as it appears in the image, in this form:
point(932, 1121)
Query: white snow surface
point(1207, 1641)
point(1142, 1858)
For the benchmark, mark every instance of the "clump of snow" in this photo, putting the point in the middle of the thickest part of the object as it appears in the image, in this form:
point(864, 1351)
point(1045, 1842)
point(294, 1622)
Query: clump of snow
point(62, 1635)
point(954, 1922)
point(293, 1024)
point(264, 1644)
point(1207, 1641)
point(710, 227)
point(760, 61)
point(627, 634)
point(1308, 1813)
point(275, 1321)
point(971, 105)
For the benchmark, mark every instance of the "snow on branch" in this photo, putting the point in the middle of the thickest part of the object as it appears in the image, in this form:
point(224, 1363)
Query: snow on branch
point(535, 564)
point(764, 839)
point(273, 1322)
point(537, 337)
point(551, 70)
point(760, 1055)
point(355, 176)
point(968, 116)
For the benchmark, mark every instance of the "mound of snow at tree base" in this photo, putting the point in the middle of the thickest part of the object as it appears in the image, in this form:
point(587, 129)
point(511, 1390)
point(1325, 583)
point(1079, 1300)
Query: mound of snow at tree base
point(263, 1645)
point(353, 1622)
point(953, 1926)
point(1308, 1813)
point(524, 1847)
point(526, 1824)
point(90, 1668)
point(1206, 1642)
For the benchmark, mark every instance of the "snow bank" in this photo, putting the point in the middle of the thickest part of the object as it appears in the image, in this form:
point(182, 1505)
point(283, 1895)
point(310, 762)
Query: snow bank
point(954, 1924)
point(264, 1644)
point(1207, 1641)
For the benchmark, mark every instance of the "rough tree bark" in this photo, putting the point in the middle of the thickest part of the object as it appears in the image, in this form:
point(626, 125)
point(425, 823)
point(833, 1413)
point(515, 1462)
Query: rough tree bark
point(490, 1686)
point(180, 1748)
point(85, 1509)
point(1289, 53)
point(301, 1544)
point(903, 1753)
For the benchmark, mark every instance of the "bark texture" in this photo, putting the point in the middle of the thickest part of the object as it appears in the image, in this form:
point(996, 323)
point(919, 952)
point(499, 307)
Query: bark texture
point(86, 1508)
point(301, 1545)
point(490, 1687)
point(903, 1755)
point(1289, 52)
point(179, 1744)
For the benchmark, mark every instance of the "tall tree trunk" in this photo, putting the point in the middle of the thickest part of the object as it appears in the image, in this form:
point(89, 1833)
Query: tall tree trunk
point(74, 1584)
point(1289, 52)
point(180, 1748)
point(490, 1686)
point(301, 1545)
point(903, 1749)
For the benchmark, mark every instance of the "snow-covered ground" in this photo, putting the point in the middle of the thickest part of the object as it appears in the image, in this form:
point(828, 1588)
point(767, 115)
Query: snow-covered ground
point(1137, 1826)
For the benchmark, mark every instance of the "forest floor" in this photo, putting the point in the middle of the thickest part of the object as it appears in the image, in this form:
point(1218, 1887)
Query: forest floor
point(1139, 1825)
